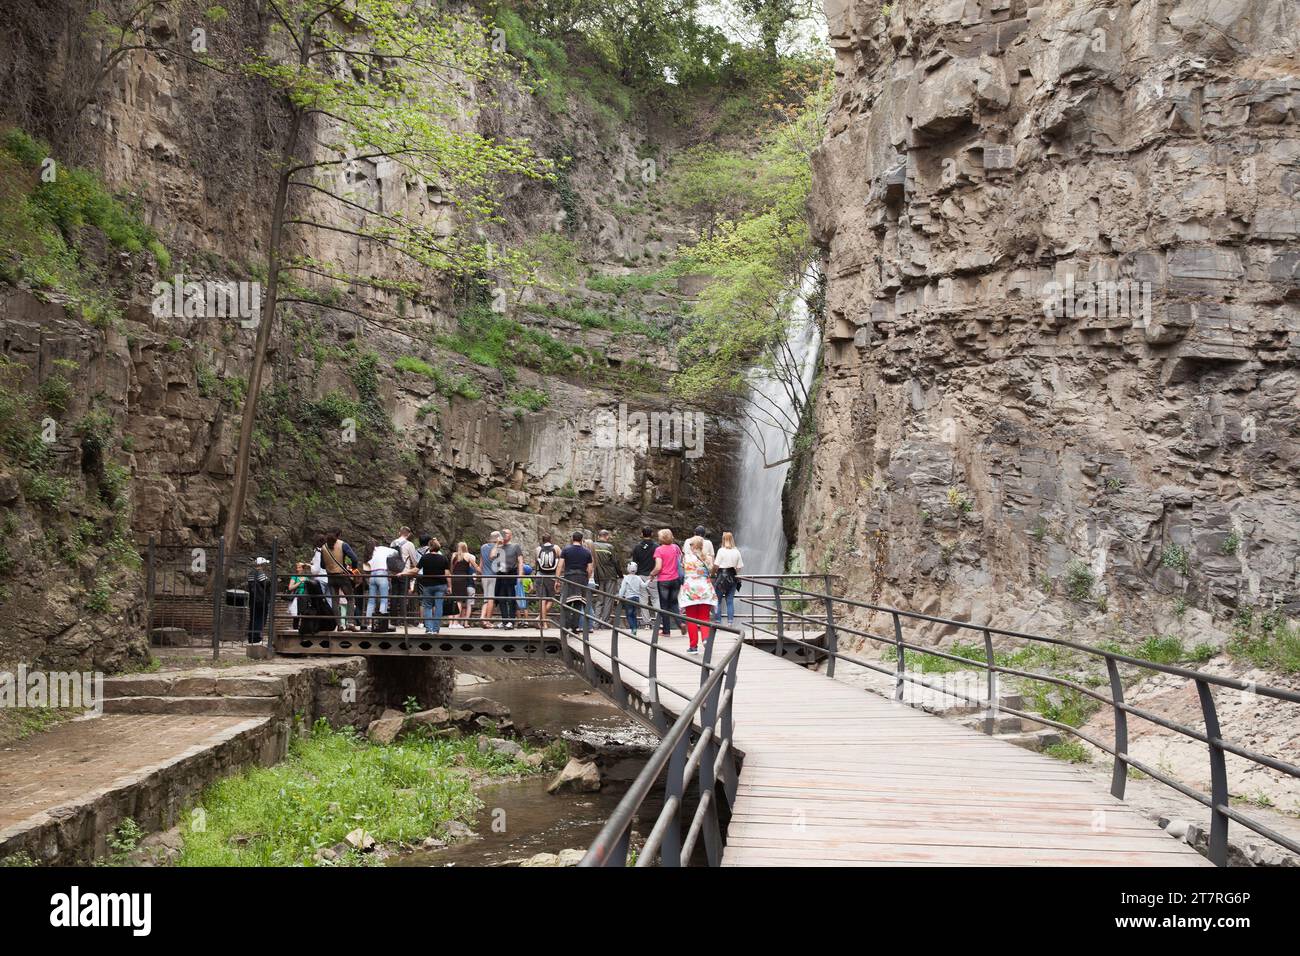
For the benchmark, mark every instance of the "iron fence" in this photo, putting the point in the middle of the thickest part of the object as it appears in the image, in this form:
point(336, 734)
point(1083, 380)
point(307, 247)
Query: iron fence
point(707, 755)
point(825, 611)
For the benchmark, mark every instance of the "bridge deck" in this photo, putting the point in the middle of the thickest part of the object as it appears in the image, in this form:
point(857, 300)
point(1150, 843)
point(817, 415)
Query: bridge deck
point(834, 775)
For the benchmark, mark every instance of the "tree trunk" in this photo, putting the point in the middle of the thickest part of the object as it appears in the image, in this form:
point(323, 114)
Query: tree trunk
point(239, 494)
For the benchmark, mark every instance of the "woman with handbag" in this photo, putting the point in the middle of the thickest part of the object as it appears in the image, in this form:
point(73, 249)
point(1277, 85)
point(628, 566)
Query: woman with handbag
point(667, 575)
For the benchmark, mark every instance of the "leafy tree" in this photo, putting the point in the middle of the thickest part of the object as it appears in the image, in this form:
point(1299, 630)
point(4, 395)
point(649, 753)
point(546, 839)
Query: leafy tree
point(756, 249)
point(368, 82)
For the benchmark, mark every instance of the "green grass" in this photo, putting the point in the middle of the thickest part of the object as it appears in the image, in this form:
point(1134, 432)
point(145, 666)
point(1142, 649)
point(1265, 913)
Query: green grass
point(43, 224)
point(332, 783)
point(1267, 640)
point(1161, 650)
point(1079, 580)
point(445, 382)
point(530, 399)
point(1070, 751)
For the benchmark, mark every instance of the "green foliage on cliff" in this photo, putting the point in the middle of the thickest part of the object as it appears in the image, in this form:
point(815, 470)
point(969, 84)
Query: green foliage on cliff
point(46, 212)
point(754, 246)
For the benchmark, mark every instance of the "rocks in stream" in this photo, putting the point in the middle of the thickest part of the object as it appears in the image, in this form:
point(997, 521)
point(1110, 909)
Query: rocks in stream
point(563, 858)
point(475, 715)
point(577, 776)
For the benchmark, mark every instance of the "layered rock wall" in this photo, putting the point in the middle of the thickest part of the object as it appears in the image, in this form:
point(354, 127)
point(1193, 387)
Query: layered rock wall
point(1062, 371)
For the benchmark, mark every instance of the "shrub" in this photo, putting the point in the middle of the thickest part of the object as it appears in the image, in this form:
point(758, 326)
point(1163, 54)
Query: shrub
point(1079, 580)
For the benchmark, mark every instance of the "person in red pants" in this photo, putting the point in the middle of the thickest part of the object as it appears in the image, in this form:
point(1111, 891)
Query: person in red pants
point(697, 597)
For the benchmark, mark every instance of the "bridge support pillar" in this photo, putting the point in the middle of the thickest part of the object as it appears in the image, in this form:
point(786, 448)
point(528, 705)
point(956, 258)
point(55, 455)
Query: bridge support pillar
point(430, 680)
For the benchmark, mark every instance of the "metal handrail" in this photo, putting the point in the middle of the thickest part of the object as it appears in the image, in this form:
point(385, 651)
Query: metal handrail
point(1217, 800)
point(710, 758)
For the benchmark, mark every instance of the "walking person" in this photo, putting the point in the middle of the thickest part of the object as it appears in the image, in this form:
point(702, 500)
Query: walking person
point(643, 553)
point(727, 565)
point(632, 592)
point(404, 592)
point(703, 536)
point(435, 581)
point(487, 576)
point(545, 563)
point(508, 565)
point(607, 579)
point(576, 571)
point(667, 573)
point(697, 597)
point(463, 568)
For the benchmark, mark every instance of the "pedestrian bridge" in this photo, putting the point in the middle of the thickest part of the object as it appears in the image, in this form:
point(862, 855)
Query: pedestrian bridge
point(765, 761)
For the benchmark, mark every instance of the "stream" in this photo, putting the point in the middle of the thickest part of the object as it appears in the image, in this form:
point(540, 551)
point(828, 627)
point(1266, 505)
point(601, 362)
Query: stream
point(519, 818)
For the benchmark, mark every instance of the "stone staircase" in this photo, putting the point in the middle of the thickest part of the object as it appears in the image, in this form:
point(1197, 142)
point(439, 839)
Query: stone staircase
point(193, 694)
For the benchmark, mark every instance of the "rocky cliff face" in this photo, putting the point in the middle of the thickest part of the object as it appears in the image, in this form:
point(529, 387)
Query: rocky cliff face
point(1062, 373)
point(456, 453)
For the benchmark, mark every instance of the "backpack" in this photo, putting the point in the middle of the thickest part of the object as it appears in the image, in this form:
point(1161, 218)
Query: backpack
point(396, 563)
point(546, 559)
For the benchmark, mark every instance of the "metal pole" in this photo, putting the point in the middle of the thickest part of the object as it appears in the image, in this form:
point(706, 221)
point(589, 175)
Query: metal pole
point(566, 652)
point(589, 668)
point(149, 585)
point(218, 595)
point(652, 676)
point(670, 847)
point(270, 611)
point(1119, 775)
point(900, 664)
point(1218, 851)
point(832, 642)
point(780, 619)
point(991, 715)
point(615, 674)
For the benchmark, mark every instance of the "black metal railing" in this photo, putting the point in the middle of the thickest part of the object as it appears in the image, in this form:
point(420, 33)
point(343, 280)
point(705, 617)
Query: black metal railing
point(707, 756)
point(826, 613)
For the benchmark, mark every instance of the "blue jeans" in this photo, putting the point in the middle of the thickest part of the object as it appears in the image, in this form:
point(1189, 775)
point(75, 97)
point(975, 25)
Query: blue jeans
point(378, 595)
point(730, 598)
point(432, 605)
point(630, 611)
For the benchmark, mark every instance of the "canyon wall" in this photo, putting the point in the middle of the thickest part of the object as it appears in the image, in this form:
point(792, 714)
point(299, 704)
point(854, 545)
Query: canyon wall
point(1061, 379)
point(193, 148)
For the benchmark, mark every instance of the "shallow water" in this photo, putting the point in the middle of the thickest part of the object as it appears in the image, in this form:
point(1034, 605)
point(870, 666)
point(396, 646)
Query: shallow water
point(519, 818)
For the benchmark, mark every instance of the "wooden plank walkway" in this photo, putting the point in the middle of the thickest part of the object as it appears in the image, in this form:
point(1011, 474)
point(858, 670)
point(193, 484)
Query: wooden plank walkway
point(835, 776)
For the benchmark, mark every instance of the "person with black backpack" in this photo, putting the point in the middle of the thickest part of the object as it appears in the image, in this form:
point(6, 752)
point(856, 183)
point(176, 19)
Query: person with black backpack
point(548, 558)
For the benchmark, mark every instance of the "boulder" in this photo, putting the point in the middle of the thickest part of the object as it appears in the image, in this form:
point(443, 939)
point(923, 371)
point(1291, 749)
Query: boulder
point(577, 776)
point(385, 729)
point(359, 839)
point(486, 707)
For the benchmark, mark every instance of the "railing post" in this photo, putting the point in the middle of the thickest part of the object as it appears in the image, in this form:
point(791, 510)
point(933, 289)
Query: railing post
point(588, 666)
point(1119, 775)
point(900, 664)
point(730, 777)
point(711, 831)
point(150, 583)
point(832, 640)
point(218, 596)
point(652, 676)
point(270, 611)
point(991, 715)
point(670, 847)
point(1218, 850)
point(780, 619)
point(620, 692)
point(566, 652)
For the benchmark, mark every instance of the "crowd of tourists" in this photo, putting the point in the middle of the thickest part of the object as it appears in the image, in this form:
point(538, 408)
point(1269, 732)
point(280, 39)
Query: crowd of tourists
point(339, 589)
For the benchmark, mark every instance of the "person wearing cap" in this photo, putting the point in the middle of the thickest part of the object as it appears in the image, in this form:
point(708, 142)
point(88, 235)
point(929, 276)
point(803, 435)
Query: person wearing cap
point(259, 599)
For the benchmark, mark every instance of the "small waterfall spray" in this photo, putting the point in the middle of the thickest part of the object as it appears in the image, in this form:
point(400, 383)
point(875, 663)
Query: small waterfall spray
point(773, 421)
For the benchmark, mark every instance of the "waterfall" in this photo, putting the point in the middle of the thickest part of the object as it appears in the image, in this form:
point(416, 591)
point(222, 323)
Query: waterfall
point(760, 532)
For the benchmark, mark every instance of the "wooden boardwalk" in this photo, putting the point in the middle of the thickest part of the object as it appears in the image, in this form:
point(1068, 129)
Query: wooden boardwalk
point(837, 776)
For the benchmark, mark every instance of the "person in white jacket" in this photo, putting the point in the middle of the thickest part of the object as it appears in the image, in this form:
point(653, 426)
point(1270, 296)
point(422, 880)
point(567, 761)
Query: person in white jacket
point(632, 591)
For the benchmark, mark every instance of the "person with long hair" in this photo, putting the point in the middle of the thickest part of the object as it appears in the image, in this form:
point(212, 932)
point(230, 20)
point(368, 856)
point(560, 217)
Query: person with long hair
point(727, 565)
point(696, 596)
point(463, 568)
